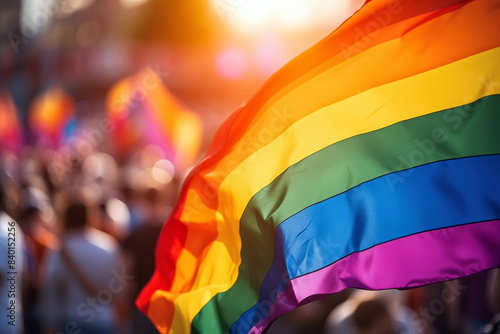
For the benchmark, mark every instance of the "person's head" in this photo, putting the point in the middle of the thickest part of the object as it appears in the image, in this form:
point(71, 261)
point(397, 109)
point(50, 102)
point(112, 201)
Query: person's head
point(373, 317)
point(75, 216)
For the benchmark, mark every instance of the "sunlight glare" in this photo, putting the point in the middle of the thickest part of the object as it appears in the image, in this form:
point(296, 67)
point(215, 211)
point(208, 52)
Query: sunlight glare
point(253, 16)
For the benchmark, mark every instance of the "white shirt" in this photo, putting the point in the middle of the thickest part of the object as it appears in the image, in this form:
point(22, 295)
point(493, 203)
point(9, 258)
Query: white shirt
point(63, 297)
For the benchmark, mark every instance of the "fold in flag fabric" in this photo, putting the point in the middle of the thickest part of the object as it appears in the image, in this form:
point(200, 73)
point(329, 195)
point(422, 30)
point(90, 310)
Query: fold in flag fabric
point(143, 111)
point(369, 161)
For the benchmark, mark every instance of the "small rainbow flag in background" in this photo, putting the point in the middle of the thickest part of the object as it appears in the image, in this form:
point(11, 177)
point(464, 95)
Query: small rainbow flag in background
point(143, 111)
point(11, 137)
point(370, 161)
point(49, 114)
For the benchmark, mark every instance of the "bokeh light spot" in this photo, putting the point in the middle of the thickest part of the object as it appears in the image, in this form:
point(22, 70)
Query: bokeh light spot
point(231, 63)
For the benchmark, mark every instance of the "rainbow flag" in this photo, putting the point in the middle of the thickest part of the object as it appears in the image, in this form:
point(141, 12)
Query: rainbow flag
point(11, 136)
point(143, 111)
point(49, 114)
point(370, 161)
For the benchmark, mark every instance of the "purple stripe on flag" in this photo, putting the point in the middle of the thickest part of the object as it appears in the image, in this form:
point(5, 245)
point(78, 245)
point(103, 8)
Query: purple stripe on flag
point(411, 261)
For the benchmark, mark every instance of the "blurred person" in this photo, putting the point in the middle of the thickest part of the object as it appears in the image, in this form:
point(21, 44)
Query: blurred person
point(83, 281)
point(35, 209)
point(36, 245)
point(493, 298)
point(40, 237)
point(474, 307)
point(136, 205)
point(114, 218)
point(140, 247)
point(12, 269)
point(371, 312)
point(441, 316)
point(493, 291)
point(373, 317)
point(466, 310)
point(310, 317)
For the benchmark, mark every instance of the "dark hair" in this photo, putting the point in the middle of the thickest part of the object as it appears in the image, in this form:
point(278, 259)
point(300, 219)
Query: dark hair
point(368, 312)
point(75, 216)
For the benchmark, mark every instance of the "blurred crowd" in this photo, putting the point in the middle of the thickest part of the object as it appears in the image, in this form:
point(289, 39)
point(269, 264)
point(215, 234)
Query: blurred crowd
point(85, 236)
